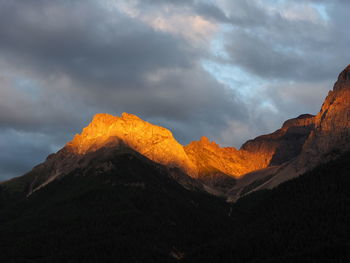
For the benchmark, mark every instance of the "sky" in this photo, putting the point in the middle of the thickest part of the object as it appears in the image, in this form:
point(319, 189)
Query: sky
point(226, 69)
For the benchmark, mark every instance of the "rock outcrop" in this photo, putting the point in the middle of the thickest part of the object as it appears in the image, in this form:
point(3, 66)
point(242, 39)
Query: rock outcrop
point(154, 142)
point(218, 167)
point(264, 151)
point(210, 158)
point(323, 138)
point(331, 135)
point(281, 145)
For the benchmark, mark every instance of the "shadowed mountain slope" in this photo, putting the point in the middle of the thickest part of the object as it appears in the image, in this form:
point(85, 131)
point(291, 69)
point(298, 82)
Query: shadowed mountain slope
point(131, 211)
point(282, 145)
point(318, 140)
point(306, 219)
point(136, 212)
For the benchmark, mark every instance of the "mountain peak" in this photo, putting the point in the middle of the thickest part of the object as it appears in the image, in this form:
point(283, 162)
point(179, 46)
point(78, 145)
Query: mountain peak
point(129, 116)
point(109, 119)
point(345, 74)
point(300, 121)
point(102, 116)
point(154, 142)
point(343, 81)
point(332, 123)
point(204, 139)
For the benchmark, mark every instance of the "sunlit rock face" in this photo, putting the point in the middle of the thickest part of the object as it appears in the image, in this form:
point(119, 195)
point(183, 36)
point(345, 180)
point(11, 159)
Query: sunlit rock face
point(261, 152)
point(210, 158)
point(328, 138)
point(281, 145)
point(331, 135)
point(154, 142)
point(199, 158)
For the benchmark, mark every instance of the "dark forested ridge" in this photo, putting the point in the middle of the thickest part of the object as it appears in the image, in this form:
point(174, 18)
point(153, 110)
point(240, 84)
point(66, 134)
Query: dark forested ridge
point(137, 213)
point(304, 220)
point(134, 213)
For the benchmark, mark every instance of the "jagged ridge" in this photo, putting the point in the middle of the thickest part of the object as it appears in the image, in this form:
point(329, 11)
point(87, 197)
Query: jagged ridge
point(329, 137)
point(301, 144)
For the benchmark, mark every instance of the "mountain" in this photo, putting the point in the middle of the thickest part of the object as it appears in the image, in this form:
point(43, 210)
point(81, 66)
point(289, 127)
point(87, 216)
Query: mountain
point(154, 142)
point(136, 212)
point(118, 206)
point(299, 145)
point(215, 168)
point(323, 138)
point(282, 145)
point(108, 132)
point(124, 190)
point(305, 219)
point(331, 135)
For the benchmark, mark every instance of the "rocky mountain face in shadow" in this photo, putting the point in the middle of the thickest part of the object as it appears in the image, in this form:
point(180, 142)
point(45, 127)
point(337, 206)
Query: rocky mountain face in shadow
point(328, 136)
point(281, 145)
point(331, 135)
point(116, 205)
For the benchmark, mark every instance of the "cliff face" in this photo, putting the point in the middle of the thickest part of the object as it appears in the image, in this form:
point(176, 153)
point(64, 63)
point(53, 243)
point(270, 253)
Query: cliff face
point(331, 135)
point(210, 158)
point(199, 158)
point(154, 142)
point(282, 145)
point(323, 138)
point(264, 151)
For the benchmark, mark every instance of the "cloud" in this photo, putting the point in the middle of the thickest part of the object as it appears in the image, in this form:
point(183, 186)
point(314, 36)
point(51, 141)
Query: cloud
point(22, 150)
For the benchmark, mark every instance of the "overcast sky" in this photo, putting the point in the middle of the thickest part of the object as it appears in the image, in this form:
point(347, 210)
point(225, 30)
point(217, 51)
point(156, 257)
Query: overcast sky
point(226, 69)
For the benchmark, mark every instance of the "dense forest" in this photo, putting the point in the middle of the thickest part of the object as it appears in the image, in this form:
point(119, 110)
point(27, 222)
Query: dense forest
point(138, 213)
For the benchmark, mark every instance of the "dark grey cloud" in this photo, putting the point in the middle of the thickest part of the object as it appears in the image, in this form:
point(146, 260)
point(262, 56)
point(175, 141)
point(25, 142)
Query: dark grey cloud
point(21, 151)
point(273, 45)
point(88, 45)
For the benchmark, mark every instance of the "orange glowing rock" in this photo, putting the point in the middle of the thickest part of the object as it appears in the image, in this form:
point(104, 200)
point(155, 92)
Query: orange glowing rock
point(281, 145)
point(331, 135)
point(197, 159)
point(210, 158)
point(154, 142)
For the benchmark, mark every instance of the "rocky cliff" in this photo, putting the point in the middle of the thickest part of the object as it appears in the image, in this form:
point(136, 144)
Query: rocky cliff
point(331, 135)
point(210, 158)
point(281, 145)
point(199, 158)
point(322, 138)
point(152, 141)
